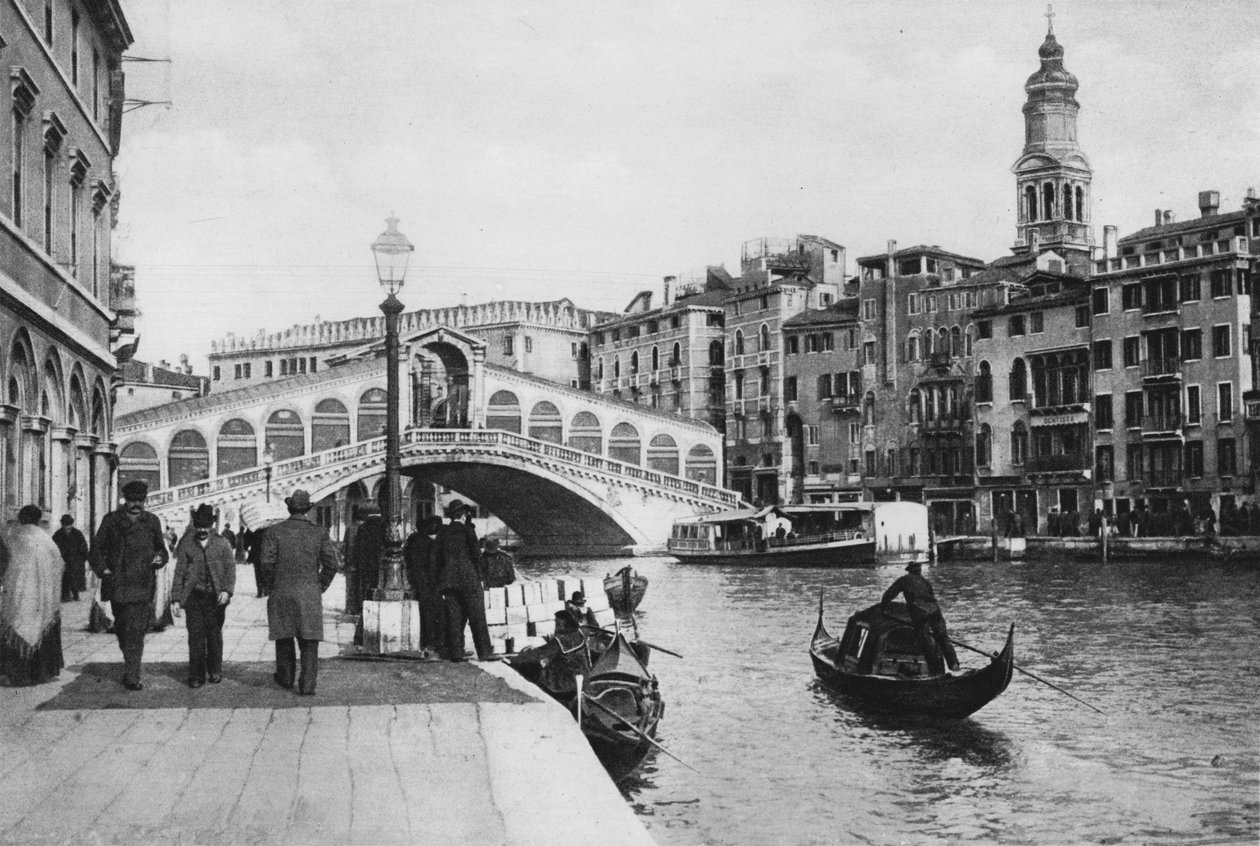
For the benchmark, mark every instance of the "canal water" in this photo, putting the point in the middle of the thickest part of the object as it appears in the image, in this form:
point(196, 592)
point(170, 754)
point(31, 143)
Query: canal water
point(1171, 653)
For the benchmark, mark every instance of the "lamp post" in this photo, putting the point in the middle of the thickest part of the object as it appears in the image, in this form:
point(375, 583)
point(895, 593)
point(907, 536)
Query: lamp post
point(392, 251)
point(269, 458)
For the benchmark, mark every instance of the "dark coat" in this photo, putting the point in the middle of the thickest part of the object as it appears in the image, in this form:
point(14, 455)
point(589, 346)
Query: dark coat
point(74, 552)
point(126, 548)
point(418, 555)
point(299, 562)
point(194, 564)
point(366, 548)
point(920, 597)
point(457, 557)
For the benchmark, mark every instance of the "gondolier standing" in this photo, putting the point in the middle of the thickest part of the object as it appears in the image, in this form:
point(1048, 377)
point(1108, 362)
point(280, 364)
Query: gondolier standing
point(926, 616)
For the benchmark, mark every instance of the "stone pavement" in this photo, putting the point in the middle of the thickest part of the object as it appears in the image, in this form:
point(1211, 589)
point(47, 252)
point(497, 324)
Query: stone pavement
point(459, 756)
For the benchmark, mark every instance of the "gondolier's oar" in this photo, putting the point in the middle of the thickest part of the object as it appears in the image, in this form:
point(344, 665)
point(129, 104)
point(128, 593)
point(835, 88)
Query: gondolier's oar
point(640, 640)
point(640, 732)
point(1029, 674)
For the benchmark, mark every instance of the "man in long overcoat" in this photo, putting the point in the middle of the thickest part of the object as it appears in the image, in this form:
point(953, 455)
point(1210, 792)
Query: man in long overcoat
point(418, 552)
point(74, 553)
point(299, 562)
point(126, 552)
point(457, 560)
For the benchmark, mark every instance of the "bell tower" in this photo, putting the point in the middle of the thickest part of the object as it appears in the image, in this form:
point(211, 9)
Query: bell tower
point(1052, 175)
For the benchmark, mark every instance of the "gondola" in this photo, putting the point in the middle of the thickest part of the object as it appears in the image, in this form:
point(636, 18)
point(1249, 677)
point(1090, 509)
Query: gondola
point(625, 589)
point(620, 704)
point(880, 664)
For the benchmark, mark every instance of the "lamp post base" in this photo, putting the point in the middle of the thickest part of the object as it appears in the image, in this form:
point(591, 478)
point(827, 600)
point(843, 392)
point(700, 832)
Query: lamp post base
point(391, 624)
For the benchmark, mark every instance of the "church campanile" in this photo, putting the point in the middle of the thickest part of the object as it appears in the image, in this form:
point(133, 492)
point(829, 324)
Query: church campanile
point(1053, 176)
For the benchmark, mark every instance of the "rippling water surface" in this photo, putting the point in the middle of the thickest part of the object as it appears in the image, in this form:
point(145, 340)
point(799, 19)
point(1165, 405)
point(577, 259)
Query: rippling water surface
point(1171, 653)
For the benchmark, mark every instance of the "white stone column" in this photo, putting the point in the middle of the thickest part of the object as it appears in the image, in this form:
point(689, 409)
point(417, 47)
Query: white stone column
point(81, 505)
point(61, 472)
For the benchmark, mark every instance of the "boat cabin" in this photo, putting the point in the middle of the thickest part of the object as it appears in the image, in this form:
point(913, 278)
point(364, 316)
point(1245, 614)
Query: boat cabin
point(749, 529)
point(884, 644)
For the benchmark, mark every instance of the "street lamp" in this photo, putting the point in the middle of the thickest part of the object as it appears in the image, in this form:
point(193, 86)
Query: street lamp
point(269, 458)
point(392, 251)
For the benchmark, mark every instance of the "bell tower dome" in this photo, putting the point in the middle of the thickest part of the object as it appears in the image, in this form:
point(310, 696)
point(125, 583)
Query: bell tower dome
point(1052, 175)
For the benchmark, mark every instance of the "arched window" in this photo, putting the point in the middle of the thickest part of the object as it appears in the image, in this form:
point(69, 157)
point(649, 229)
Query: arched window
point(1047, 201)
point(912, 347)
point(929, 345)
point(868, 409)
point(586, 434)
point(955, 341)
point(1080, 204)
point(1067, 203)
point(675, 356)
point(764, 341)
point(504, 412)
point(968, 342)
point(285, 434)
point(188, 459)
point(634, 362)
point(702, 465)
point(662, 455)
point(916, 406)
point(656, 359)
point(984, 446)
point(136, 462)
point(942, 341)
point(1030, 204)
point(616, 367)
point(984, 383)
point(739, 342)
point(330, 425)
point(1018, 380)
point(544, 423)
point(624, 445)
point(599, 372)
point(372, 410)
point(716, 355)
point(236, 448)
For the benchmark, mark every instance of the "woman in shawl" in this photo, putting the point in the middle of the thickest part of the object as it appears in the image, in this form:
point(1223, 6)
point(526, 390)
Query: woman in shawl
point(30, 602)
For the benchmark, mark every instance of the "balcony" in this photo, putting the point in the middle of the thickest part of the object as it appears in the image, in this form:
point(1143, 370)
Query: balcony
point(1162, 424)
point(763, 358)
point(1162, 478)
point(1068, 463)
point(654, 378)
point(848, 403)
point(945, 424)
point(940, 360)
point(1252, 409)
point(1161, 368)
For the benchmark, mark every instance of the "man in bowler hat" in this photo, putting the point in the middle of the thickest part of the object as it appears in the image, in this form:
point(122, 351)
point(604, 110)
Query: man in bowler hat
point(126, 552)
point(926, 616)
point(460, 580)
point(299, 562)
point(205, 577)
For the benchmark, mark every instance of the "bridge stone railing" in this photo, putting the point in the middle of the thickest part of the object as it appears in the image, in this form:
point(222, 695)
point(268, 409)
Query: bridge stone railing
point(418, 440)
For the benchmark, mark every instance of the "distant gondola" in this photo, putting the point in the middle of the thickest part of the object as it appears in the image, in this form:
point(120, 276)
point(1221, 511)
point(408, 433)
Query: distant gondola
point(880, 662)
point(625, 590)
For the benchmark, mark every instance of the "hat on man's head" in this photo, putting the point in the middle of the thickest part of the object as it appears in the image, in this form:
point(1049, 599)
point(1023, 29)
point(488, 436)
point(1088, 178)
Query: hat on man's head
point(432, 524)
point(456, 507)
point(492, 544)
point(28, 515)
point(914, 567)
point(578, 598)
point(135, 489)
point(300, 501)
point(203, 517)
point(66, 520)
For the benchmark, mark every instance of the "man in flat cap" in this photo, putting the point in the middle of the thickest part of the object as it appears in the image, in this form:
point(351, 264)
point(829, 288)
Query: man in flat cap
point(460, 580)
point(299, 562)
point(126, 552)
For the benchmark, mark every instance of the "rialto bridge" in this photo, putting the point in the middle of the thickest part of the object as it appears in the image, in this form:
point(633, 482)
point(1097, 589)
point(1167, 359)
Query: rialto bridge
point(569, 471)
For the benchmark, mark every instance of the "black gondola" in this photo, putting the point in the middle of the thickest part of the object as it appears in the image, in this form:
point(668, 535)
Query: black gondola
point(880, 662)
point(620, 706)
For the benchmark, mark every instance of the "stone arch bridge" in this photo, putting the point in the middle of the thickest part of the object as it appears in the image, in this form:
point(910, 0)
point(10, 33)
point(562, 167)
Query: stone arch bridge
point(569, 471)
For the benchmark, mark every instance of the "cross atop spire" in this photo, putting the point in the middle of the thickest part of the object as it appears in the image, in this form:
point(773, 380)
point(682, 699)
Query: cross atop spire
point(1050, 18)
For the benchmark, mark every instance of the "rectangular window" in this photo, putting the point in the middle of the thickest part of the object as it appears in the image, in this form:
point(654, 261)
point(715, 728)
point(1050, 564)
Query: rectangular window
point(1194, 405)
point(1104, 463)
point(984, 330)
point(824, 386)
point(1194, 459)
point(1133, 409)
point(869, 309)
point(1220, 341)
point(1100, 301)
point(314, 362)
point(914, 304)
point(1225, 402)
point(48, 22)
point(931, 303)
point(248, 367)
point(1102, 354)
point(529, 344)
point(284, 367)
point(1134, 462)
point(855, 433)
point(1226, 457)
point(74, 47)
point(789, 389)
point(1131, 296)
point(1082, 316)
point(813, 468)
point(1219, 281)
point(868, 352)
point(793, 345)
point(96, 85)
point(1037, 322)
point(508, 345)
point(49, 168)
point(1189, 288)
point(1132, 351)
point(811, 432)
point(268, 368)
point(811, 343)
point(236, 372)
point(828, 342)
point(1102, 411)
point(301, 363)
point(19, 130)
point(216, 373)
point(739, 385)
point(1192, 344)
point(851, 341)
point(1015, 326)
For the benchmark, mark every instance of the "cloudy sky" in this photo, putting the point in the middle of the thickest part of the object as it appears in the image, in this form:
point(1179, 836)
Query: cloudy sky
point(535, 150)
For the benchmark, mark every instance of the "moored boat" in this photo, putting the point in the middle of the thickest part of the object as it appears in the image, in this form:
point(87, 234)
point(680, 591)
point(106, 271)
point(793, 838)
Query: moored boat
point(809, 535)
point(625, 589)
point(879, 662)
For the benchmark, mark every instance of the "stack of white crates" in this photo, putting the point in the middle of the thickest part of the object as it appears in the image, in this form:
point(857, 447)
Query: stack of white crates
point(523, 613)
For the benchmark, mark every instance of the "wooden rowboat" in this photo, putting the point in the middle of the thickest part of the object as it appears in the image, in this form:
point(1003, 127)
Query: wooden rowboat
point(880, 663)
point(625, 589)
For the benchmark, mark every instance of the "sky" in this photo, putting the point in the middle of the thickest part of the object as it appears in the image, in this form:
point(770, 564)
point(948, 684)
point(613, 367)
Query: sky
point(538, 150)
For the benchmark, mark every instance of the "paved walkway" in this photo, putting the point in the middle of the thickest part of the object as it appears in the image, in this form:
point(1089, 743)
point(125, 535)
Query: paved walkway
point(502, 769)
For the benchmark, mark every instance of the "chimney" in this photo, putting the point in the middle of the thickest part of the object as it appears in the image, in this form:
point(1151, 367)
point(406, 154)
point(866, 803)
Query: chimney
point(1209, 202)
point(164, 364)
point(669, 291)
point(184, 366)
point(1110, 242)
point(891, 270)
point(1168, 216)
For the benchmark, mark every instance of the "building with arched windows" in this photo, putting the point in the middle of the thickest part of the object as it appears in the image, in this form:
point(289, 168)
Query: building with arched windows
point(61, 307)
